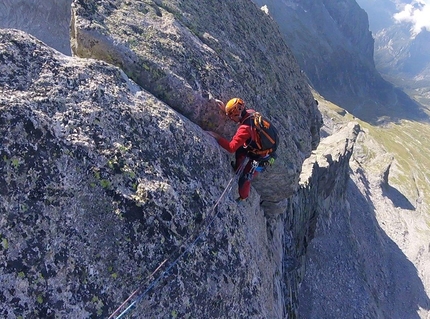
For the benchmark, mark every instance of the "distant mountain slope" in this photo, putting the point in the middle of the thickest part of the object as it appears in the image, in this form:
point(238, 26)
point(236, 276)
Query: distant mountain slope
point(332, 43)
point(402, 55)
point(380, 14)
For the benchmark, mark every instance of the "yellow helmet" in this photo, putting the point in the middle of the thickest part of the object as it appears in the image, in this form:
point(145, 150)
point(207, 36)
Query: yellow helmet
point(234, 107)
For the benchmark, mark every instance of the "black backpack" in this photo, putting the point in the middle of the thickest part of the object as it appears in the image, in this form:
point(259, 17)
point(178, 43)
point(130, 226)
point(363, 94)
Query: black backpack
point(266, 135)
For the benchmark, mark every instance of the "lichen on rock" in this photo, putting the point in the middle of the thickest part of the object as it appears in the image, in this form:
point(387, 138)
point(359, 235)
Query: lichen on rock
point(108, 171)
point(92, 166)
point(185, 55)
point(103, 181)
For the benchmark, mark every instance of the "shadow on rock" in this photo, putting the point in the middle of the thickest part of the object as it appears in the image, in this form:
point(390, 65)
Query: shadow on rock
point(353, 267)
point(399, 200)
point(388, 271)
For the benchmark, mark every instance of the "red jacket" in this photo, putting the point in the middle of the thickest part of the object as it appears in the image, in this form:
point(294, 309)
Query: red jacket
point(243, 136)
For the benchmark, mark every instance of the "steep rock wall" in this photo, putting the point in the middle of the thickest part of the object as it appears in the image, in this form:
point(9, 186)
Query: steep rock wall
point(185, 55)
point(322, 193)
point(102, 184)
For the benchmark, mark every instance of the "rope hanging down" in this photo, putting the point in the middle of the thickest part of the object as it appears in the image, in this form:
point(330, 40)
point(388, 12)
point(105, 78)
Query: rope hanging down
point(139, 292)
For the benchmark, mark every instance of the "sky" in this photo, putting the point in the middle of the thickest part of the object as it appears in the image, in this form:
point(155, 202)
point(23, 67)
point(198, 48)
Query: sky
point(417, 13)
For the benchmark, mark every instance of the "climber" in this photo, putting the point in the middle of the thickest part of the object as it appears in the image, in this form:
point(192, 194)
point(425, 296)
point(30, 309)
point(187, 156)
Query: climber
point(255, 139)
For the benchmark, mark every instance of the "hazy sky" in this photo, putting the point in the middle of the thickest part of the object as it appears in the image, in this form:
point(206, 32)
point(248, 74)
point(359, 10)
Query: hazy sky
point(416, 12)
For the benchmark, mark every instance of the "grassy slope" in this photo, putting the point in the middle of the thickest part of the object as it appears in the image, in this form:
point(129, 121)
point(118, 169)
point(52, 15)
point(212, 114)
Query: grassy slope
point(419, 89)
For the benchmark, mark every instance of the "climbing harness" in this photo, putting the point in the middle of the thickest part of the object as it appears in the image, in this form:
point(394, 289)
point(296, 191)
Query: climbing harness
point(259, 166)
point(254, 167)
point(139, 293)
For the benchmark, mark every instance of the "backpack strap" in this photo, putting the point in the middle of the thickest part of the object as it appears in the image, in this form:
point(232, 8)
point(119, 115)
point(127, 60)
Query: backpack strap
point(247, 118)
point(261, 153)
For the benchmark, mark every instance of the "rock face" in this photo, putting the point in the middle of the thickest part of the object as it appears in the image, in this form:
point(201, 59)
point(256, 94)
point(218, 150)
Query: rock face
point(49, 20)
point(105, 181)
point(348, 253)
point(333, 45)
point(366, 246)
point(184, 55)
point(102, 182)
point(112, 189)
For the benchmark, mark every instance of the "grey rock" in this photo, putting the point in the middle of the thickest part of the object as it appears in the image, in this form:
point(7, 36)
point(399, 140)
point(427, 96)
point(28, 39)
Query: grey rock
point(47, 20)
point(102, 182)
point(184, 55)
point(351, 229)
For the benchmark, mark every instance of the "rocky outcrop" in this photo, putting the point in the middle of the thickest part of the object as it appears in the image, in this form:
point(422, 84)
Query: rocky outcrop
point(321, 195)
point(102, 182)
point(105, 182)
point(340, 254)
point(184, 55)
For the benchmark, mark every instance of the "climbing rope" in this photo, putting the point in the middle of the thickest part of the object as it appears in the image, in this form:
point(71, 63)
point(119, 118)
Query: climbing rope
point(139, 292)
